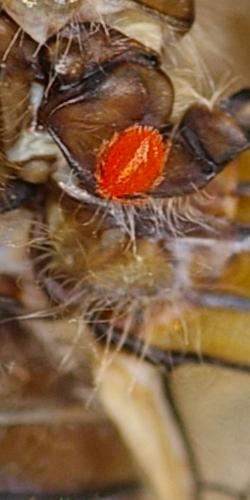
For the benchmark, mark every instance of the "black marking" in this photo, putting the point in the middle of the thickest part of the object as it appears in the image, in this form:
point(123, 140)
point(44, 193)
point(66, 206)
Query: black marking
point(15, 194)
point(185, 437)
point(168, 359)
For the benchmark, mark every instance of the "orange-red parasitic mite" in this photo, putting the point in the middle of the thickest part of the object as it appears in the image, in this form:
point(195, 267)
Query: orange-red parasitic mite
point(131, 162)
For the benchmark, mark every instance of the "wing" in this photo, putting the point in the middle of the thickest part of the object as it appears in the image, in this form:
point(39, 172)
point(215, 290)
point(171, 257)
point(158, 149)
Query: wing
point(42, 19)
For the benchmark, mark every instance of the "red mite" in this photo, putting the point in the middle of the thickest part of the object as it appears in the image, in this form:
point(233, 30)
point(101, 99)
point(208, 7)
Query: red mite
point(131, 162)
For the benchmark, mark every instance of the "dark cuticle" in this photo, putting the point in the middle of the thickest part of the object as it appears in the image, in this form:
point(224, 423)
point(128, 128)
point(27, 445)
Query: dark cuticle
point(16, 194)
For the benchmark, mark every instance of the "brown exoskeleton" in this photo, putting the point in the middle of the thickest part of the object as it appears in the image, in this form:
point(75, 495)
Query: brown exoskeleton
point(133, 236)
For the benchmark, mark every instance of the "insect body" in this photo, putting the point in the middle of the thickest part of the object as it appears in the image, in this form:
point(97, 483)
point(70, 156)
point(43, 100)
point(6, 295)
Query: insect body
point(131, 227)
